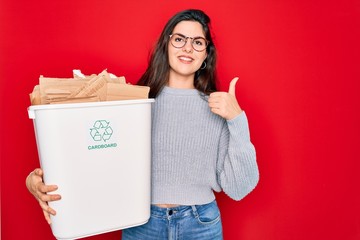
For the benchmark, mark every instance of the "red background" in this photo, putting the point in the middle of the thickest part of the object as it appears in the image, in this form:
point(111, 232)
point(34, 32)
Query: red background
point(298, 62)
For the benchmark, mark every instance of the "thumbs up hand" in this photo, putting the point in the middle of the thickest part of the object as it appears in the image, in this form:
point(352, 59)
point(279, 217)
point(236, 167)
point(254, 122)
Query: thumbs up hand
point(225, 104)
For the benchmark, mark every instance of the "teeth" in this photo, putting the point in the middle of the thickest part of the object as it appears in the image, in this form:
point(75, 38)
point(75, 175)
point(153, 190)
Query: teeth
point(186, 59)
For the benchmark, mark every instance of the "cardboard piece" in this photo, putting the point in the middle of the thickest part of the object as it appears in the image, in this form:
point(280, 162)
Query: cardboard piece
point(85, 88)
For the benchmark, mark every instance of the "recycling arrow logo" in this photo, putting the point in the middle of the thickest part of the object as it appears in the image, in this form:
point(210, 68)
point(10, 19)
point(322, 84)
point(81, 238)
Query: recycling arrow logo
point(101, 130)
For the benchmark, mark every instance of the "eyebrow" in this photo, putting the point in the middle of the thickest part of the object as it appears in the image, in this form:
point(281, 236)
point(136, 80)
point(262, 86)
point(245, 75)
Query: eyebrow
point(189, 37)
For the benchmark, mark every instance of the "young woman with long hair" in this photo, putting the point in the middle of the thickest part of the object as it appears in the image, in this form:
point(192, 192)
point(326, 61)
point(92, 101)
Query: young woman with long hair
point(200, 138)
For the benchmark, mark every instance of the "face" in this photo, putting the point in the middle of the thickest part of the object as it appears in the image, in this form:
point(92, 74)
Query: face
point(185, 61)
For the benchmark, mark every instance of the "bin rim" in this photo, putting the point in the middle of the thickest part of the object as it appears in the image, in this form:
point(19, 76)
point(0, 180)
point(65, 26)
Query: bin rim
point(33, 108)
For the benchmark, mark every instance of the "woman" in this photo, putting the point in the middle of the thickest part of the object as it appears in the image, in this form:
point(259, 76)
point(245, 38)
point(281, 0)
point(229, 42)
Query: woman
point(200, 138)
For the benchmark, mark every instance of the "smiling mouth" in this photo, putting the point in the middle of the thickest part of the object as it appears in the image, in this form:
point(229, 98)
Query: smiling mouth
point(186, 59)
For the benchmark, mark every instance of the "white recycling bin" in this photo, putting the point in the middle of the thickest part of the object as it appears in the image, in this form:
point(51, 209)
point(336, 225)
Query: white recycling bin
point(99, 155)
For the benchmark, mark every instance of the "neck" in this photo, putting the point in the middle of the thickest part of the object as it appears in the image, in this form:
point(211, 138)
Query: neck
point(185, 82)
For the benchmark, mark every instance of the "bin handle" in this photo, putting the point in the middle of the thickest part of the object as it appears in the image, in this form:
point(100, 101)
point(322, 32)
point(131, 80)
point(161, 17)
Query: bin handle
point(31, 114)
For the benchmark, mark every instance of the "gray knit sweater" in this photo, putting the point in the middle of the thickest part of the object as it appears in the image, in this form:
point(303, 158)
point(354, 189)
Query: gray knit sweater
point(196, 152)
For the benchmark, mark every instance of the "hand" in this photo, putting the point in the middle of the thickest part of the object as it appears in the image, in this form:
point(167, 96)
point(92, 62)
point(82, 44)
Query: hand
point(225, 104)
point(36, 186)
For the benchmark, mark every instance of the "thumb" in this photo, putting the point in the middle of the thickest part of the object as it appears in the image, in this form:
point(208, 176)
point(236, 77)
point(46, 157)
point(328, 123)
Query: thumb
point(232, 86)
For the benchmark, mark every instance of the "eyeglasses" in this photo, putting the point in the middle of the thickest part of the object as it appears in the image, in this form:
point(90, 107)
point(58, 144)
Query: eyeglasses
point(178, 40)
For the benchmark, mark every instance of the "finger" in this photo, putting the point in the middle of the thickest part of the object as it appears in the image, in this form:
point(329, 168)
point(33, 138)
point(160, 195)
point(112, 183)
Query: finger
point(45, 207)
point(232, 86)
point(49, 197)
point(218, 97)
point(217, 103)
point(213, 99)
point(217, 94)
point(38, 171)
point(41, 187)
point(213, 104)
point(47, 217)
point(216, 111)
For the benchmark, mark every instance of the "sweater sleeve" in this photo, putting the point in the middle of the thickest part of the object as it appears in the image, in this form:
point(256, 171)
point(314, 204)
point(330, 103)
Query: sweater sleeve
point(237, 170)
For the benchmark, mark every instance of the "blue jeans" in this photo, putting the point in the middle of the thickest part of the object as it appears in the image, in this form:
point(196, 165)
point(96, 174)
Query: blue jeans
point(198, 222)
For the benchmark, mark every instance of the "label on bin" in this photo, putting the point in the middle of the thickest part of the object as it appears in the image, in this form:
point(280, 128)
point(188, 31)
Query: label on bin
point(101, 132)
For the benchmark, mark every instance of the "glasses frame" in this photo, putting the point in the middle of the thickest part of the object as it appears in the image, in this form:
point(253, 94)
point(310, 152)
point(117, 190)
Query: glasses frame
point(192, 41)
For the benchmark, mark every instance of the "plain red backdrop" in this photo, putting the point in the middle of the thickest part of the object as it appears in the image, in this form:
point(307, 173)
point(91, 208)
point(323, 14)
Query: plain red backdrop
point(299, 69)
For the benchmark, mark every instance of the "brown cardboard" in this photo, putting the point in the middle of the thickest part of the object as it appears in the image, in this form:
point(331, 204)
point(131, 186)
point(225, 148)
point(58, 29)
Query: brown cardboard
point(85, 88)
point(51, 88)
point(76, 100)
point(95, 87)
point(126, 91)
point(35, 98)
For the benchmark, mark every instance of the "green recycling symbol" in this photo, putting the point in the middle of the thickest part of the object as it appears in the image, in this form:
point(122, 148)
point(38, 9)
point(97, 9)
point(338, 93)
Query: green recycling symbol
point(101, 130)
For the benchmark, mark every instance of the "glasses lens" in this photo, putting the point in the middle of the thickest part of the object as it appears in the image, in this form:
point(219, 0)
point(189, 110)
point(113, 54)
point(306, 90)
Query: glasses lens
point(177, 41)
point(199, 44)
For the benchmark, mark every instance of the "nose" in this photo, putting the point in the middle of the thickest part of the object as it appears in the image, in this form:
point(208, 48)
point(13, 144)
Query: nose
point(188, 46)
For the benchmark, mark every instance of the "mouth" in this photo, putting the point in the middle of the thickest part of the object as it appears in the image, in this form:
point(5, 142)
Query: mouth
point(185, 59)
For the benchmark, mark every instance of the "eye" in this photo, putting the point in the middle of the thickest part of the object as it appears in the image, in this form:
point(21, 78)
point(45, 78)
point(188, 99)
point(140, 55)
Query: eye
point(199, 42)
point(179, 39)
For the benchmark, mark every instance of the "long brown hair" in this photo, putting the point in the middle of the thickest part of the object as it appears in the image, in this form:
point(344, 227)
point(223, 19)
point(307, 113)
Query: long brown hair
point(156, 75)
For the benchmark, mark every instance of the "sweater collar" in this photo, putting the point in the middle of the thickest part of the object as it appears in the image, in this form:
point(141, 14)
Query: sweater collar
point(180, 91)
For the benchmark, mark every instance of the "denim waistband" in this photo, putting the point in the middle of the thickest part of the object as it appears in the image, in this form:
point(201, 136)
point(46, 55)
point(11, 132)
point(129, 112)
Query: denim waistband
point(176, 212)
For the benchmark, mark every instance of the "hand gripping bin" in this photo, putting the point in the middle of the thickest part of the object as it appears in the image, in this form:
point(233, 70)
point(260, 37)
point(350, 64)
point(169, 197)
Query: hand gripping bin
point(99, 155)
